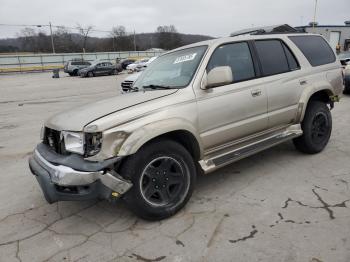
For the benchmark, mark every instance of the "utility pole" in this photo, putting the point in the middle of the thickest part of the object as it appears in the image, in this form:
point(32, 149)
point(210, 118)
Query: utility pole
point(52, 44)
point(134, 40)
point(314, 23)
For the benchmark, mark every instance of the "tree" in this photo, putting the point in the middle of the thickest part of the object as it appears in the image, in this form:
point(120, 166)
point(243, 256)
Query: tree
point(64, 41)
point(121, 40)
point(27, 39)
point(168, 37)
point(84, 33)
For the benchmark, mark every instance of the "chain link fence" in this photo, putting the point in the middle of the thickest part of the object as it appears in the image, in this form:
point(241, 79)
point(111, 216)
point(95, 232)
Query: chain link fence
point(43, 62)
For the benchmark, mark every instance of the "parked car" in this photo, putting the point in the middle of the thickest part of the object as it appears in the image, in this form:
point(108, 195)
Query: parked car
point(72, 67)
point(137, 64)
point(126, 85)
point(129, 81)
point(199, 108)
point(125, 62)
point(141, 67)
point(98, 68)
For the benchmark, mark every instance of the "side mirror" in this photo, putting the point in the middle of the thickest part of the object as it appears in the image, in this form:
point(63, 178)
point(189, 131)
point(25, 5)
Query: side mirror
point(219, 76)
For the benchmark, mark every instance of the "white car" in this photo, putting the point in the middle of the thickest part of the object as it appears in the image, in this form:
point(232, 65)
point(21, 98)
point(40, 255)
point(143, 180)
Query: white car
point(140, 63)
point(142, 67)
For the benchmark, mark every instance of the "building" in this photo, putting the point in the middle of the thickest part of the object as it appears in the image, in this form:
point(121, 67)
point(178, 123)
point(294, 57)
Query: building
point(335, 34)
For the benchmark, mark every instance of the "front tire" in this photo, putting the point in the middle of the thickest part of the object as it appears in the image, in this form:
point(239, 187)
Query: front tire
point(163, 174)
point(317, 128)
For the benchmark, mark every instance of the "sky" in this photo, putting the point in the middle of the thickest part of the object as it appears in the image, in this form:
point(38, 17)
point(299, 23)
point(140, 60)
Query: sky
point(208, 17)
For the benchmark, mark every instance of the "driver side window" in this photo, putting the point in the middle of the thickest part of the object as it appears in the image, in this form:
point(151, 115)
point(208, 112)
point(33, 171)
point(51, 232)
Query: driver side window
point(238, 57)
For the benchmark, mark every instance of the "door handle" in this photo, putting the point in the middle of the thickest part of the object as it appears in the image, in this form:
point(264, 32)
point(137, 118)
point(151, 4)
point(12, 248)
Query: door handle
point(303, 82)
point(256, 92)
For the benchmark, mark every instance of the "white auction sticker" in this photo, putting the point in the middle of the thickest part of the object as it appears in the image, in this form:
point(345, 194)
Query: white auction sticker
point(185, 58)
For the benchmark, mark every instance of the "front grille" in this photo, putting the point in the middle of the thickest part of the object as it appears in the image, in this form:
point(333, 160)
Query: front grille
point(52, 138)
point(126, 85)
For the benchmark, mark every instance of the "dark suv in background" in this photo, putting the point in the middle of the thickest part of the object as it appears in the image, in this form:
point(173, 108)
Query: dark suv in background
point(98, 68)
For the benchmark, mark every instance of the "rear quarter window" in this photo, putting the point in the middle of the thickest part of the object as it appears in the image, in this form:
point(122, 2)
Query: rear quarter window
point(315, 49)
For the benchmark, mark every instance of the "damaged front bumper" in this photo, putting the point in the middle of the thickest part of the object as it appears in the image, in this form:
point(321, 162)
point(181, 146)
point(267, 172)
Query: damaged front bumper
point(69, 178)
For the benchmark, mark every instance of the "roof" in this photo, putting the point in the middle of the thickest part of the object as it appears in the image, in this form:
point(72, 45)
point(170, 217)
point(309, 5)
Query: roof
point(321, 26)
point(243, 37)
point(273, 29)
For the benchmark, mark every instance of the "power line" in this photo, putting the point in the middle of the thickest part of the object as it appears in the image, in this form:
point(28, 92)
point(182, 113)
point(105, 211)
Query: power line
point(56, 26)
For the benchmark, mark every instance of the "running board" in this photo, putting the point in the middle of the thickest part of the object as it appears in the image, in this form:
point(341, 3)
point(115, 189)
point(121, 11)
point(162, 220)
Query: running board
point(211, 163)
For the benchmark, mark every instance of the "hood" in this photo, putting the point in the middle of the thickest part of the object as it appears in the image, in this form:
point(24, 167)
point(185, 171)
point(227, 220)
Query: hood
point(133, 77)
point(77, 118)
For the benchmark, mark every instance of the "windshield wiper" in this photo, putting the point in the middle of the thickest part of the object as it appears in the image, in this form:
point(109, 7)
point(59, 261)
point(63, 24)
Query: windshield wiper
point(157, 87)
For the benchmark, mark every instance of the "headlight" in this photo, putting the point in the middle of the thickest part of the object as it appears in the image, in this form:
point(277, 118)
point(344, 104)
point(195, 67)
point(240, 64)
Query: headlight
point(93, 143)
point(73, 141)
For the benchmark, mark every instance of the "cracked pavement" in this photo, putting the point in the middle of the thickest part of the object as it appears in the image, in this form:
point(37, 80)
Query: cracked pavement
point(279, 205)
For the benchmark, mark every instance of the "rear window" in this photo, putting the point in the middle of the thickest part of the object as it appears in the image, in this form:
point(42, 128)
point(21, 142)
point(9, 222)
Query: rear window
point(315, 49)
point(77, 63)
point(272, 57)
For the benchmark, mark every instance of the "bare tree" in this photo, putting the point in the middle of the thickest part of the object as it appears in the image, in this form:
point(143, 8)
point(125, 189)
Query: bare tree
point(84, 32)
point(168, 37)
point(27, 39)
point(121, 40)
point(64, 41)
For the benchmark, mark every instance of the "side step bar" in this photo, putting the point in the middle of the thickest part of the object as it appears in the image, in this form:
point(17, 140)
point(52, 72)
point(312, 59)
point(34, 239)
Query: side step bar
point(212, 163)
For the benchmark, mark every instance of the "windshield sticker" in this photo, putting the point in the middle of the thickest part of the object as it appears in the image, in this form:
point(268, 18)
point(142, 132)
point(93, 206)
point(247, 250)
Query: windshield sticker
point(185, 58)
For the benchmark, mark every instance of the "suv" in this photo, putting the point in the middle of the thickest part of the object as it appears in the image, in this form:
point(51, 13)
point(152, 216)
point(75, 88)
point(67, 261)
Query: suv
point(72, 67)
point(199, 108)
point(98, 68)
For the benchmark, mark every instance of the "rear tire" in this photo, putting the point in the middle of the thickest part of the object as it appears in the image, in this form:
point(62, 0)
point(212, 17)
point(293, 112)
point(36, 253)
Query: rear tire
point(163, 174)
point(75, 72)
point(317, 128)
point(90, 74)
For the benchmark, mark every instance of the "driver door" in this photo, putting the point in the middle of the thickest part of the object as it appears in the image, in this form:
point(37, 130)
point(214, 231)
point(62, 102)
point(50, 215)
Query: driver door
point(236, 110)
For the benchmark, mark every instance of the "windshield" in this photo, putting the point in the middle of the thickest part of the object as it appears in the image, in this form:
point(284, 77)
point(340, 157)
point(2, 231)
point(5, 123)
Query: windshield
point(173, 70)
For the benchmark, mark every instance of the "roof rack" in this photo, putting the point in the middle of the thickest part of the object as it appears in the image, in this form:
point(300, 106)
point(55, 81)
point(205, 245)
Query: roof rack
point(275, 29)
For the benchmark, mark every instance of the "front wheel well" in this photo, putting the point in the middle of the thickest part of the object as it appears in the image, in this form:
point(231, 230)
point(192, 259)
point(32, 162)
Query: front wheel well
point(183, 137)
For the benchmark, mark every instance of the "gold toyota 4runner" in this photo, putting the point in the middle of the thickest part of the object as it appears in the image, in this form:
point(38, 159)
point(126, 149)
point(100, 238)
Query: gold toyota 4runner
point(197, 108)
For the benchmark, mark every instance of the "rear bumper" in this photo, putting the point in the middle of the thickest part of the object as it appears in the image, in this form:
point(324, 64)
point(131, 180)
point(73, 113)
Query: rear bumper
point(64, 183)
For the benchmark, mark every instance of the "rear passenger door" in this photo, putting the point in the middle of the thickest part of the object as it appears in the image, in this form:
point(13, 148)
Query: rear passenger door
point(280, 76)
point(235, 110)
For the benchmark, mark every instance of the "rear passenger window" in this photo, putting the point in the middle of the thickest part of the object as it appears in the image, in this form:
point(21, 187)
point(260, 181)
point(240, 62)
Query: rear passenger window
point(272, 57)
point(315, 49)
point(238, 57)
point(292, 62)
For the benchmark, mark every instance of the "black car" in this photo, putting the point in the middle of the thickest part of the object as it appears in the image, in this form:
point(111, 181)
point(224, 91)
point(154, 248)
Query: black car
point(99, 68)
point(124, 63)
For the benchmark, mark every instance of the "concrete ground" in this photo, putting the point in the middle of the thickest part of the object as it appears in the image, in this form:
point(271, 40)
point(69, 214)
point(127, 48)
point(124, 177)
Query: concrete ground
point(279, 205)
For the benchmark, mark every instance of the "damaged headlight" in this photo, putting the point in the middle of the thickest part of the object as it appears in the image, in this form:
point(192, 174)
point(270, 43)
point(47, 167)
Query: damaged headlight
point(73, 141)
point(93, 143)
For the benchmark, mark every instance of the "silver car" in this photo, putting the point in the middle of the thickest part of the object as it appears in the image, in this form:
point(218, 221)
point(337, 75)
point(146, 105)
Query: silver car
point(199, 108)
